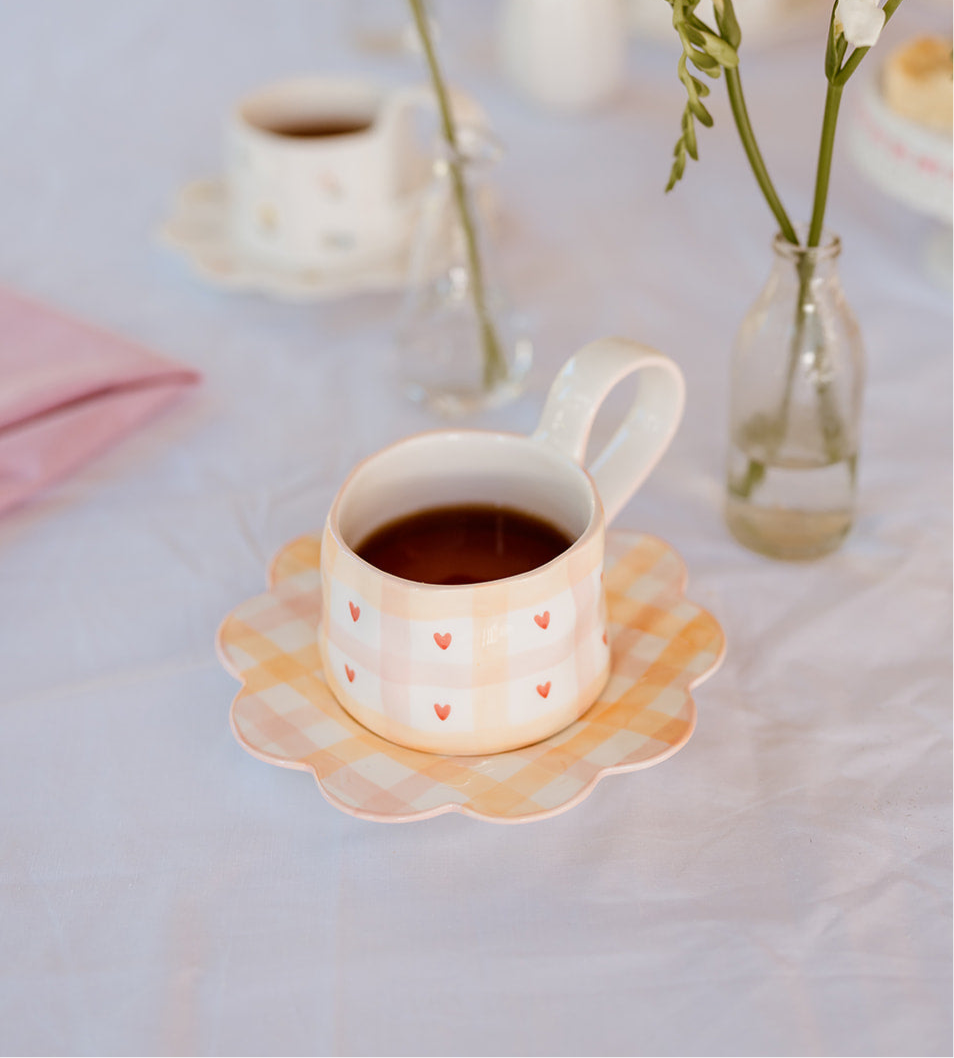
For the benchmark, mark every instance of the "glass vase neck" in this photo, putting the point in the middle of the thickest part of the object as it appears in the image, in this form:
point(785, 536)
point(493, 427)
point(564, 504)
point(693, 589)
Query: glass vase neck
point(475, 148)
point(827, 251)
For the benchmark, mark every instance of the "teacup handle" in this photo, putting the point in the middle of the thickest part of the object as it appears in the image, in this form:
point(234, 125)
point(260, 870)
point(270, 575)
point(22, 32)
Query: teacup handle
point(468, 113)
point(644, 435)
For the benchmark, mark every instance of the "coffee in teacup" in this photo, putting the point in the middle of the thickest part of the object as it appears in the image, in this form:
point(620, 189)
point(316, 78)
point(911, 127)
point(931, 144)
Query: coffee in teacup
point(466, 543)
point(318, 127)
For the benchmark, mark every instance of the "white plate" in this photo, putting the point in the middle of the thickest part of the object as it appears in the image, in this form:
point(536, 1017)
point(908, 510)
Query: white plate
point(912, 163)
point(903, 159)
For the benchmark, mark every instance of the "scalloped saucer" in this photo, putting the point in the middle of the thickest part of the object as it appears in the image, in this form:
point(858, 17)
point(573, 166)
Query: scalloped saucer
point(662, 646)
point(197, 228)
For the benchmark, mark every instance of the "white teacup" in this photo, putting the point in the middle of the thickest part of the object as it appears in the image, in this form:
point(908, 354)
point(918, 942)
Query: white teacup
point(486, 667)
point(322, 171)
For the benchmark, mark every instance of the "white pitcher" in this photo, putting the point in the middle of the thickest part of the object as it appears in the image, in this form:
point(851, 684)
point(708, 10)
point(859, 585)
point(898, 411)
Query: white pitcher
point(567, 54)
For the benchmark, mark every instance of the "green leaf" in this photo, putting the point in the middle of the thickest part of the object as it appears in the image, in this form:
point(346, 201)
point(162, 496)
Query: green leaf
point(695, 34)
point(710, 53)
point(701, 114)
point(835, 51)
point(706, 63)
point(728, 24)
point(720, 50)
point(832, 61)
point(689, 135)
point(840, 51)
point(702, 89)
point(678, 168)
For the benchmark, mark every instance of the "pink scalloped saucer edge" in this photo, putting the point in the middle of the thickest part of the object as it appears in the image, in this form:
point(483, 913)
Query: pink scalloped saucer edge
point(673, 593)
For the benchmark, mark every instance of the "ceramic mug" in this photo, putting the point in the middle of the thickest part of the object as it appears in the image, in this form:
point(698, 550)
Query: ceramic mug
point(321, 172)
point(482, 668)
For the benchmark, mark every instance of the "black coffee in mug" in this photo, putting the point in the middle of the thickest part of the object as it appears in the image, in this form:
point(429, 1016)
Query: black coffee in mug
point(463, 544)
point(318, 127)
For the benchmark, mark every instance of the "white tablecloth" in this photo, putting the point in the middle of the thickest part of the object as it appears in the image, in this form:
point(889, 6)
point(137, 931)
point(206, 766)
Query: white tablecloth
point(780, 886)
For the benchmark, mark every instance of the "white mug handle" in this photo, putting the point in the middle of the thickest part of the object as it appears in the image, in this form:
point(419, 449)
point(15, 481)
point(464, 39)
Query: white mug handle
point(644, 435)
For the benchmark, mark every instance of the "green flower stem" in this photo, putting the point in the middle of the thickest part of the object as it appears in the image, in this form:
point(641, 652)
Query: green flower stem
point(743, 124)
point(774, 435)
point(754, 475)
point(805, 267)
point(755, 469)
point(825, 151)
point(832, 430)
point(495, 367)
point(775, 430)
point(829, 417)
point(836, 84)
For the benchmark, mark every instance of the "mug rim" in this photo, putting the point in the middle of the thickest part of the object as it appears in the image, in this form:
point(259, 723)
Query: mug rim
point(594, 525)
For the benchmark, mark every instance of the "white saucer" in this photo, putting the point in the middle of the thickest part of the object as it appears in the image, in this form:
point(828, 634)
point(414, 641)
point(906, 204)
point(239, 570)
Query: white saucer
point(198, 230)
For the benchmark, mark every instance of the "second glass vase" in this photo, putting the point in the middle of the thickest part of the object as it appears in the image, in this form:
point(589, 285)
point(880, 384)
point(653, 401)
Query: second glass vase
point(460, 345)
point(795, 408)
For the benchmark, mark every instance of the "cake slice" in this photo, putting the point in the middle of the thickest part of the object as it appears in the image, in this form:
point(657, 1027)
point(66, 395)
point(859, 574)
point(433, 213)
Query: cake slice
point(917, 82)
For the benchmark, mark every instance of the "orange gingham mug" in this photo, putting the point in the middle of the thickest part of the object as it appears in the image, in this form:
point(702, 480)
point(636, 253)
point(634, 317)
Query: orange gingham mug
point(483, 668)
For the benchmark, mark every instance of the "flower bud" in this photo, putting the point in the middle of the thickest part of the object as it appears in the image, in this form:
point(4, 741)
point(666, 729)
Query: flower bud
point(860, 21)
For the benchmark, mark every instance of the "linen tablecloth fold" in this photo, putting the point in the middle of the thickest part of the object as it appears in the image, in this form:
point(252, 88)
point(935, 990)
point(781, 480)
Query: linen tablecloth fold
point(68, 391)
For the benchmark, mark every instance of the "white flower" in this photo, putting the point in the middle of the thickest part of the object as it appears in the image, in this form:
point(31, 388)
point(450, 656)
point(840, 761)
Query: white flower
point(861, 21)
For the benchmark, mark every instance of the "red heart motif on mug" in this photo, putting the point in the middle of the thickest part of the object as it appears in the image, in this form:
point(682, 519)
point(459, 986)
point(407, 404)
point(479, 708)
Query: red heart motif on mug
point(350, 674)
point(443, 641)
point(543, 689)
point(542, 619)
point(355, 610)
point(443, 711)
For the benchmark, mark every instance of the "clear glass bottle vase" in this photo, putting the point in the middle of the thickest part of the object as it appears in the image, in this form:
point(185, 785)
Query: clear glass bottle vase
point(460, 344)
point(795, 406)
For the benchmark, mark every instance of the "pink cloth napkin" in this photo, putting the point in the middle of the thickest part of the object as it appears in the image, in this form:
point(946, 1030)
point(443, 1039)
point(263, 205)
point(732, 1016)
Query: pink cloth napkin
point(69, 391)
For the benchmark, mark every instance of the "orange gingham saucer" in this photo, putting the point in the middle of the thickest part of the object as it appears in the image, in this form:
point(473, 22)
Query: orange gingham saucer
point(662, 647)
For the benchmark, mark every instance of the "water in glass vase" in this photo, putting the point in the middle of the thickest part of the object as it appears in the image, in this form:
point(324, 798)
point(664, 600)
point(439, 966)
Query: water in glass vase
point(790, 509)
point(794, 409)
